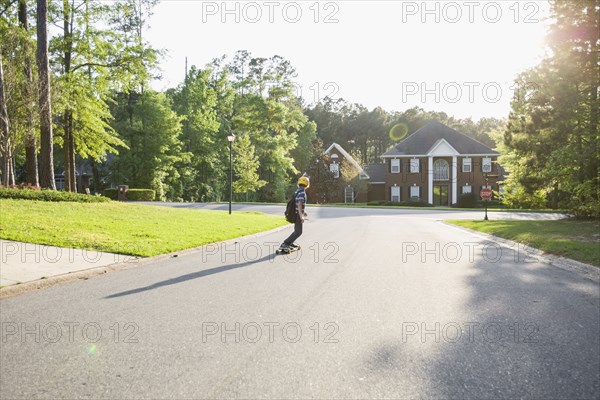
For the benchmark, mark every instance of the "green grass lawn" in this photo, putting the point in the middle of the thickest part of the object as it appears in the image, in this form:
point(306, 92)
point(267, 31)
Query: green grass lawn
point(579, 240)
point(123, 227)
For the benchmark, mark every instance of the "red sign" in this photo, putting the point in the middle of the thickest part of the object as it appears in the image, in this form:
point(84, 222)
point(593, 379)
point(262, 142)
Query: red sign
point(486, 194)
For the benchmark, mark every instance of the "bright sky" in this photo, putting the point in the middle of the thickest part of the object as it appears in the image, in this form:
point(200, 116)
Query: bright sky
point(455, 56)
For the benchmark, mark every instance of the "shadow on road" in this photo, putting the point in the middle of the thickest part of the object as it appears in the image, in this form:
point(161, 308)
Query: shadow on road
point(531, 332)
point(193, 275)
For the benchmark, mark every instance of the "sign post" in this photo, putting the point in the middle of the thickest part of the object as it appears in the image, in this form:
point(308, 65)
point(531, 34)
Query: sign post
point(486, 195)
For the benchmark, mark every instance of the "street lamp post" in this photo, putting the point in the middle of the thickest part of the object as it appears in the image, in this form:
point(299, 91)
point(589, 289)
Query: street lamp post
point(486, 201)
point(230, 139)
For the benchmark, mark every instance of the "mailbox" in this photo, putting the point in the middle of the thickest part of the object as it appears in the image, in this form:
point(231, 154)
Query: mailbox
point(122, 194)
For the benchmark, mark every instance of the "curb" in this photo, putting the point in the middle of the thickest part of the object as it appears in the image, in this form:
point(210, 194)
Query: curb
point(85, 274)
point(584, 270)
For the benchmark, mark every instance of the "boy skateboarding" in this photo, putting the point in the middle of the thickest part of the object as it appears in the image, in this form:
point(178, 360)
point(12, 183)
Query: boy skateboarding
point(299, 199)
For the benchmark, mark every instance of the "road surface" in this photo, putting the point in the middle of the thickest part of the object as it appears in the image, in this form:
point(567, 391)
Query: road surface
point(378, 304)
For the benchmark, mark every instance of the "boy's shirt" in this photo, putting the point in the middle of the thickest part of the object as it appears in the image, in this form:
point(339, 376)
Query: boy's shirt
point(300, 195)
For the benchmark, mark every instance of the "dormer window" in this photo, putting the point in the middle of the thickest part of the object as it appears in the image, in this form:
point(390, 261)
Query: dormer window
point(335, 169)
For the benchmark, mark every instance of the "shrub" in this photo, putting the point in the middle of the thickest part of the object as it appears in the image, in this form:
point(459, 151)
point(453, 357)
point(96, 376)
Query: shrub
point(141, 194)
point(467, 200)
point(411, 203)
point(132, 194)
point(111, 193)
point(50, 195)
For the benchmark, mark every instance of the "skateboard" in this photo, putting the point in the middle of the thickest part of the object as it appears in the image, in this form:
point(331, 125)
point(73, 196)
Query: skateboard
point(287, 251)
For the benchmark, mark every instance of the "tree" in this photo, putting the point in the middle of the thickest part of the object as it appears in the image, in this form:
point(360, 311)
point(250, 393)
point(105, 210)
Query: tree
point(152, 147)
point(45, 101)
point(199, 102)
point(8, 176)
point(551, 140)
point(246, 166)
point(100, 50)
point(30, 137)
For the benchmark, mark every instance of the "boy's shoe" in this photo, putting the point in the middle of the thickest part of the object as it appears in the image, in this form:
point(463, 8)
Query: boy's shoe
point(294, 246)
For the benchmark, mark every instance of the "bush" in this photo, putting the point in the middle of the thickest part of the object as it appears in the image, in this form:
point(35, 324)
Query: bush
point(111, 193)
point(467, 200)
point(132, 194)
point(50, 195)
point(141, 194)
point(411, 203)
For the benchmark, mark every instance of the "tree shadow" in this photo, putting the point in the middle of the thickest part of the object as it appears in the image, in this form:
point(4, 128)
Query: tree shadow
point(530, 330)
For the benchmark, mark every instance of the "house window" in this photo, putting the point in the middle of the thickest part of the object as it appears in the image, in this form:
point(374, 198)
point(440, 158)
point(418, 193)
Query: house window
point(395, 193)
point(415, 192)
point(441, 172)
point(414, 166)
point(466, 165)
point(395, 166)
point(335, 169)
point(486, 164)
point(467, 189)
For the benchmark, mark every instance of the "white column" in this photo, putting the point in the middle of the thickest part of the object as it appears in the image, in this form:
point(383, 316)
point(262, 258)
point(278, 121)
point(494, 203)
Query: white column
point(454, 180)
point(430, 180)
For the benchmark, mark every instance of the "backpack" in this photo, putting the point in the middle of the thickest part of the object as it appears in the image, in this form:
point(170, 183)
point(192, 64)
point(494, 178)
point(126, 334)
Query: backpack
point(290, 210)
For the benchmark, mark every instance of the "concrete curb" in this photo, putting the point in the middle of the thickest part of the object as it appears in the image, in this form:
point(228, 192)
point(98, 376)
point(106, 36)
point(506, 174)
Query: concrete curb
point(586, 271)
point(85, 274)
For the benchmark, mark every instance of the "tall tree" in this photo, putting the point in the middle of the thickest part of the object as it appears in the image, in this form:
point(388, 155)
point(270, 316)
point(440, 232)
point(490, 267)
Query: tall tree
point(152, 147)
point(552, 137)
point(30, 137)
point(100, 50)
point(45, 101)
point(8, 176)
point(246, 166)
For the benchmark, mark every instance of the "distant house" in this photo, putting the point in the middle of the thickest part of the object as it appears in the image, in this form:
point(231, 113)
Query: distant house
point(436, 164)
point(339, 161)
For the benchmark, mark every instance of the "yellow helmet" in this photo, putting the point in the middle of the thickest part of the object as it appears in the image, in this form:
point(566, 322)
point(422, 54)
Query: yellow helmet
point(304, 180)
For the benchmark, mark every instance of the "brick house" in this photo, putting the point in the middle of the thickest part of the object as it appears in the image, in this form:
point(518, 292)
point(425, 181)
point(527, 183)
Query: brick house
point(436, 164)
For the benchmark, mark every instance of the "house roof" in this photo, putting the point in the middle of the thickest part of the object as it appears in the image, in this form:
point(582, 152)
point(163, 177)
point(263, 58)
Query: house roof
point(376, 172)
point(426, 140)
point(363, 173)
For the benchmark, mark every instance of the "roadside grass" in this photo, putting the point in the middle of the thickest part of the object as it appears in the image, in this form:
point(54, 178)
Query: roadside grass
point(124, 228)
point(575, 239)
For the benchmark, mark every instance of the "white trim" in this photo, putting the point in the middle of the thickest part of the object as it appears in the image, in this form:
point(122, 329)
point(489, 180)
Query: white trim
point(430, 180)
point(349, 158)
point(454, 180)
point(427, 154)
point(442, 142)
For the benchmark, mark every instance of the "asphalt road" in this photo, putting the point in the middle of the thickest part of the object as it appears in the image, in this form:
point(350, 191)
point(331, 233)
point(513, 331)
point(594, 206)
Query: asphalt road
point(378, 304)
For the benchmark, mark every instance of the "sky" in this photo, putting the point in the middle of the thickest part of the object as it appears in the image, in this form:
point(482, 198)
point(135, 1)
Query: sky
point(460, 57)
